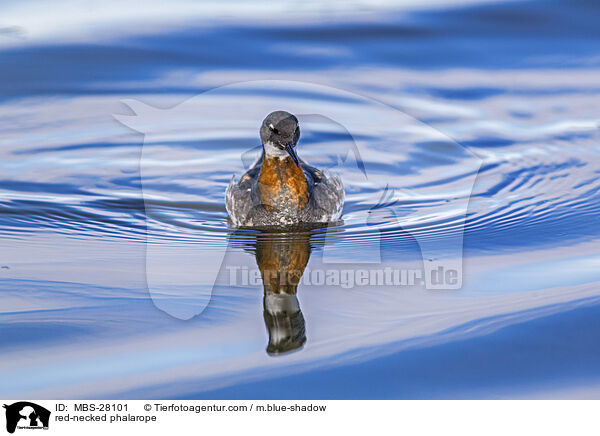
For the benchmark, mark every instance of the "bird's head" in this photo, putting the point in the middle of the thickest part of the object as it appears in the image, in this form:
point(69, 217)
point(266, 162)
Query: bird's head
point(279, 135)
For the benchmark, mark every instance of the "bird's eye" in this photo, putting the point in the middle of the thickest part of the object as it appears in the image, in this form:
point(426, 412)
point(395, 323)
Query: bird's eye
point(273, 129)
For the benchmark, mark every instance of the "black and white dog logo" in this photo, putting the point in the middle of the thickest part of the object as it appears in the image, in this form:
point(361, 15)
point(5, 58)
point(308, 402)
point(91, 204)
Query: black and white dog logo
point(26, 415)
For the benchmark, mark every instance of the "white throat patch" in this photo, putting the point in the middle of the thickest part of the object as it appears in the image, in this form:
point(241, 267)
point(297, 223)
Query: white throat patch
point(272, 150)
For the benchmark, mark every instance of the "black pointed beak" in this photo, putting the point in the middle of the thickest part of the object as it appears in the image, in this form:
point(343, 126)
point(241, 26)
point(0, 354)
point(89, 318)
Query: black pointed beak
point(290, 149)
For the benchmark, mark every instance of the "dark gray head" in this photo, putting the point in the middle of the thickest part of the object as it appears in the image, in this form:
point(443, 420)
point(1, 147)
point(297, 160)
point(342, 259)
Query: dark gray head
point(279, 135)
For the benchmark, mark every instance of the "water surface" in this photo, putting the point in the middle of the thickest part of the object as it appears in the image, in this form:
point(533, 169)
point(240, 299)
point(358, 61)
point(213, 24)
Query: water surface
point(499, 108)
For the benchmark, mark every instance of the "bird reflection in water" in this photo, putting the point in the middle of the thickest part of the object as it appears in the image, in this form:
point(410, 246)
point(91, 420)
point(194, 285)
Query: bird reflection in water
point(281, 259)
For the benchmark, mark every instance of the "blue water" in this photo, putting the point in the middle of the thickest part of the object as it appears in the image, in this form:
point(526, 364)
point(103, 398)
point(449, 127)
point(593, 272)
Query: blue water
point(476, 124)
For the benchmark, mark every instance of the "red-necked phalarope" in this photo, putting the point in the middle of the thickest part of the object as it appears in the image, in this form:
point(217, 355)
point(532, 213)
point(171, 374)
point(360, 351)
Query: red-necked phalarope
point(280, 189)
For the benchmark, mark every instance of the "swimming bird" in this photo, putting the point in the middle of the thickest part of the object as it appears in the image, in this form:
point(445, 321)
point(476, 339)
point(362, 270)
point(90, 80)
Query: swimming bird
point(281, 189)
